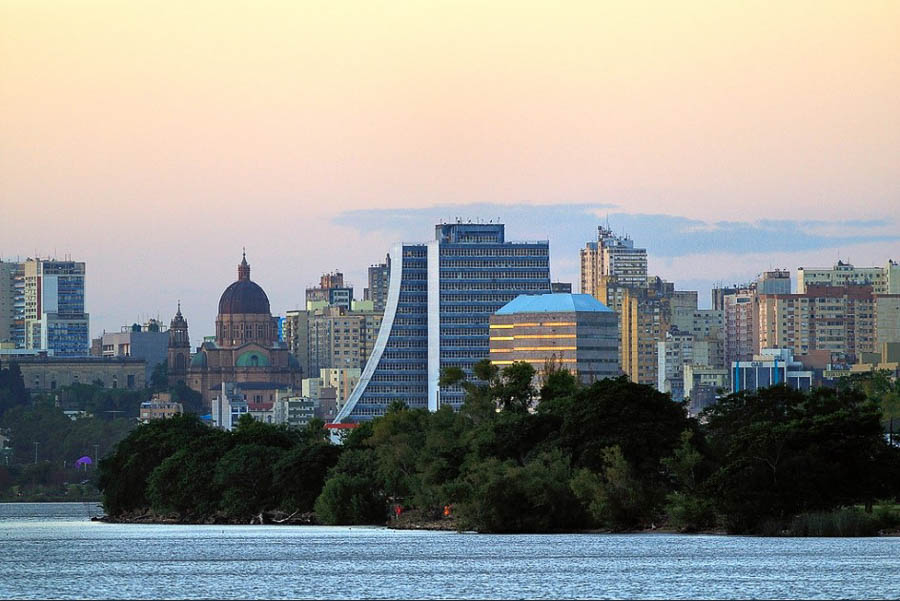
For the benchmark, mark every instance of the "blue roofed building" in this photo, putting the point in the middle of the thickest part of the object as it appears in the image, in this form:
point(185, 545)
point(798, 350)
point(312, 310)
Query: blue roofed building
point(570, 331)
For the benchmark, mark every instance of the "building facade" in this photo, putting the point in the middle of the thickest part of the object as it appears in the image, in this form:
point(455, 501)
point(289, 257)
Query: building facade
point(149, 342)
point(441, 296)
point(770, 368)
point(379, 279)
point(44, 373)
point(575, 332)
point(836, 319)
point(884, 280)
point(55, 319)
point(246, 351)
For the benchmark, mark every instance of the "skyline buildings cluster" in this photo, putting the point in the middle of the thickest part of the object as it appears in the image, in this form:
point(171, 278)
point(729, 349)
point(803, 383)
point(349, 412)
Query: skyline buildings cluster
point(430, 306)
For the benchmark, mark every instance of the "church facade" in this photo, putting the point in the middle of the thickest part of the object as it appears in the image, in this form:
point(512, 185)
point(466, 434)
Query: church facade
point(246, 350)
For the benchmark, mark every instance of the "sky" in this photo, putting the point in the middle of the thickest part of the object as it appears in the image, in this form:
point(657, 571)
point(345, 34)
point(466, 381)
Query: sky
point(155, 140)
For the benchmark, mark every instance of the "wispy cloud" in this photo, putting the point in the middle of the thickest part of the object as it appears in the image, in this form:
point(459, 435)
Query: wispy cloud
point(569, 226)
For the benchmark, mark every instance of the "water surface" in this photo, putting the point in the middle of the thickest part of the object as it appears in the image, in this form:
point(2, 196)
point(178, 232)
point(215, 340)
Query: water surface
point(52, 550)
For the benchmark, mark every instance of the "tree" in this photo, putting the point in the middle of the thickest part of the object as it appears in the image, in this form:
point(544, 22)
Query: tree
point(299, 476)
point(505, 497)
point(244, 474)
point(614, 498)
point(352, 494)
point(781, 452)
point(124, 474)
point(184, 481)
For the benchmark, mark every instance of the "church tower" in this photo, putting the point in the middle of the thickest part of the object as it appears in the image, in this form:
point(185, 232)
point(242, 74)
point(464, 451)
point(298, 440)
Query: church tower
point(179, 356)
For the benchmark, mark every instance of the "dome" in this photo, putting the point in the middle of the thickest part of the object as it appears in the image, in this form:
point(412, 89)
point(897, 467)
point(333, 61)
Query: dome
point(244, 296)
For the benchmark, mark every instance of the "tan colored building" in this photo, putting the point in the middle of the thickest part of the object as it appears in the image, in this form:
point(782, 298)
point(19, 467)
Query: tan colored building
point(160, 406)
point(884, 280)
point(331, 337)
point(647, 314)
point(342, 379)
point(42, 373)
point(836, 319)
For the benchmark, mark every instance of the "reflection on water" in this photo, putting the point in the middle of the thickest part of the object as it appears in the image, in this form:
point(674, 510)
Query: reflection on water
point(52, 550)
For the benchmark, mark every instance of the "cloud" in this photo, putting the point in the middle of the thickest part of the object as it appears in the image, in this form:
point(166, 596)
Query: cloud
point(569, 226)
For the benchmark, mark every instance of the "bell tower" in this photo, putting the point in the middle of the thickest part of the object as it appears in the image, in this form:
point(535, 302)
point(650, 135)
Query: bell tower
point(179, 355)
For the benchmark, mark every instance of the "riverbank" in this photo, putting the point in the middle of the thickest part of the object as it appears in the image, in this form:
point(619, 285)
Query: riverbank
point(416, 520)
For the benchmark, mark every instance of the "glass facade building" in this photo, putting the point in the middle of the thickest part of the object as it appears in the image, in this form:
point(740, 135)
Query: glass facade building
point(55, 320)
point(440, 298)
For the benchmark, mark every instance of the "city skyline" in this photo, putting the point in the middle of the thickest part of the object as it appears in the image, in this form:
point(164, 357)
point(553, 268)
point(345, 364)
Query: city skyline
point(154, 144)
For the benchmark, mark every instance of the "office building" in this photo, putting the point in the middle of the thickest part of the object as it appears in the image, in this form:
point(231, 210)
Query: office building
point(54, 307)
point(441, 296)
point(149, 342)
point(575, 332)
point(770, 368)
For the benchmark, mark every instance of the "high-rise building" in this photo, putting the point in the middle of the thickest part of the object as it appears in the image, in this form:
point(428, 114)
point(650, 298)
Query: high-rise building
point(884, 280)
point(55, 320)
point(774, 282)
point(612, 256)
point(441, 296)
point(741, 325)
point(836, 319)
point(575, 332)
point(379, 278)
point(331, 291)
point(7, 300)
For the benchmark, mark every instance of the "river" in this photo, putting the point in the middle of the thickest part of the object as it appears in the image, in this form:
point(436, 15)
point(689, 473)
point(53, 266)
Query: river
point(53, 550)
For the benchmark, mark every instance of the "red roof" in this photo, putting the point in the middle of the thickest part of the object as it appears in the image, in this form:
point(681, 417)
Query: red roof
point(260, 406)
point(341, 426)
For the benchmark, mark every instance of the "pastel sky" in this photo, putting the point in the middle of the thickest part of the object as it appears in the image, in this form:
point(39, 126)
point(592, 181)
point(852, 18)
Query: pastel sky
point(155, 139)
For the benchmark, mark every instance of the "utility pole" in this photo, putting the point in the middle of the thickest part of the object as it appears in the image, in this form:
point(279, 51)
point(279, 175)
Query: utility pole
point(36, 451)
point(96, 455)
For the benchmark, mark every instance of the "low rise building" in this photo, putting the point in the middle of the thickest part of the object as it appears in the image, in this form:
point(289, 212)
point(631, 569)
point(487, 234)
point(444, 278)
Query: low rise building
point(574, 331)
point(160, 406)
point(772, 366)
point(43, 373)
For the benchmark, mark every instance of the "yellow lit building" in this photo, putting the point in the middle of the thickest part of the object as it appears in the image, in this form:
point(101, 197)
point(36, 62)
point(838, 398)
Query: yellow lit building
point(572, 331)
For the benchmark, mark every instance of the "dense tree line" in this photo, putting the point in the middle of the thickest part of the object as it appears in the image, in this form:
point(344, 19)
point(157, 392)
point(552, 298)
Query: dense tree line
point(613, 455)
point(45, 443)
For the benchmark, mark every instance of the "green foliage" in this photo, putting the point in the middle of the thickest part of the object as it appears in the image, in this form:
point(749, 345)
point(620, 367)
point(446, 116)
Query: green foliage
point(244, 474)
point(352, 494)
point(688, 508)
point(184, 482)
point(159, 377)
point(782, 452)
point(840, 523)
point(298, 477)
point(614, 454)
point(614, 497)
point(124, 475)
point(12, 388)
point(505, 497)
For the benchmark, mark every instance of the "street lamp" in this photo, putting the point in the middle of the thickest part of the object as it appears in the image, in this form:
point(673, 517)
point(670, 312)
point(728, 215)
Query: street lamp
point(36, 451)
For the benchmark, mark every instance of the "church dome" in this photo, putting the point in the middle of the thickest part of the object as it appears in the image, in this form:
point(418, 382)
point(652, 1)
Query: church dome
point(244, 296)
